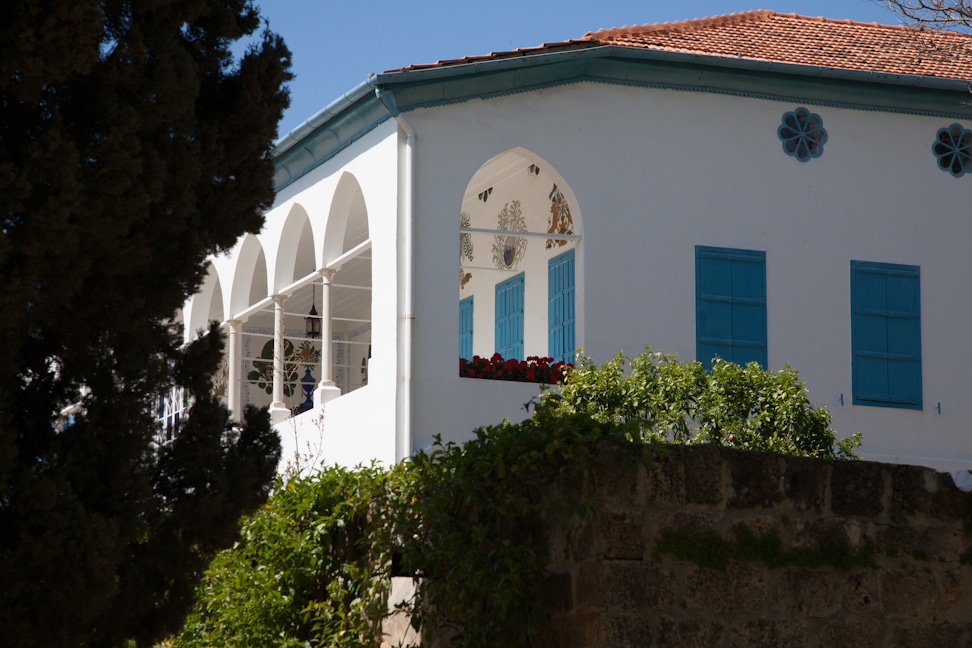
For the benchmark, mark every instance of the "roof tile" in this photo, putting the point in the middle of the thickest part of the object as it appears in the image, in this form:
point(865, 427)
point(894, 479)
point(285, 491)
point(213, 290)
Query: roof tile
point(786, 38)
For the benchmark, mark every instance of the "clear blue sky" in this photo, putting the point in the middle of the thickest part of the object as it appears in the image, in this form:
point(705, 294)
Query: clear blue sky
point(336, 44)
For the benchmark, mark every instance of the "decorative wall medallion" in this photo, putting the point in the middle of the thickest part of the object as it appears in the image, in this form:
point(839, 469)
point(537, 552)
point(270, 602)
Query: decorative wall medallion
point(953, 148)
point(560, 221)
point(508, 250)
point(802, 134)
point(465, 249)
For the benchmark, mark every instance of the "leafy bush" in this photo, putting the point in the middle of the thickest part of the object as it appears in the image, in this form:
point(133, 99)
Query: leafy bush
point(311, 567)
point(662, 399)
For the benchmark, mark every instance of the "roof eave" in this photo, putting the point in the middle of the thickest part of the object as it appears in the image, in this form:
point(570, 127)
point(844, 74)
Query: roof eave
point(359, 110)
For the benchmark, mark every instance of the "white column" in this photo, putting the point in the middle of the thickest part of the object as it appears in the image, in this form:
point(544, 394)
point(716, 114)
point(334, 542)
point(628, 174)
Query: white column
point(326, 390)
point(233, 380)
point(279, 411)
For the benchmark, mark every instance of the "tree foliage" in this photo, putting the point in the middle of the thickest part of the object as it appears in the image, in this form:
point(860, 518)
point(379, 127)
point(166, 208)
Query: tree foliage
point(132, 146)
point(663, 399)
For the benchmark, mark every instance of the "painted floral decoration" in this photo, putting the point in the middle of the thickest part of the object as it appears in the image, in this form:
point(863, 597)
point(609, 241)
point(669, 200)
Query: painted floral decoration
point(262, 373)
point(802, 134)
point(534, 369)
point(508, 250)
point(465, 249)
point(560, 220)
point(953, 148)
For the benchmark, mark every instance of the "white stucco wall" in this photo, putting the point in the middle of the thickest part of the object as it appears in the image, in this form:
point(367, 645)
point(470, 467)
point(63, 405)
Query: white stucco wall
point(650, 174)
point(359, 426)
point(657, 172)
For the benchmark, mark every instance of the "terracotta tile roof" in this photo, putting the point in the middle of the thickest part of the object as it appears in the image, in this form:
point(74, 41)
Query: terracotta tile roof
point(787, 38)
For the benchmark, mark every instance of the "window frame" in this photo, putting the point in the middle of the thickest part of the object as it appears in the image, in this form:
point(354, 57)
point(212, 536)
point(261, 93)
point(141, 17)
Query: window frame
point(737, 305)
point(466, 336)
point(561, 307)
point(510, 320)
point(859, 353)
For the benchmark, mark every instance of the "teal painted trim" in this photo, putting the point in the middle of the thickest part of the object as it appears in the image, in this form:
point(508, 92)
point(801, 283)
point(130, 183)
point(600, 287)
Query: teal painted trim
point(361, 110)
point(329, 139)
point(730, 305)
point(780, 82)
point(886, 364)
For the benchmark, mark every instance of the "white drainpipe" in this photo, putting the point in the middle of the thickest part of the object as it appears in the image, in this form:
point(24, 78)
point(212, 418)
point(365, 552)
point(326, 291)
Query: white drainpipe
point(403, 443)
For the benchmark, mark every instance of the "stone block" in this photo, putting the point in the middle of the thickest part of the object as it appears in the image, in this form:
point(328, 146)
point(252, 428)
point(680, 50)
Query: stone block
point(767, 633)
point(910, 593)
point(665, 477)
point(572, 631)
point(625, 631)
point(688, 522)
point(737, 589)
point(859, 634)
point(757, 526)
point(623, 535)
point(690, 632)
point(857, 488)
point(930, 635)
point(756, 479)
point(628, 587)
point(910, 493)
point(807, 592)
point(805, 483)
point(619, 479)
point(861, 592)
point(557, 595)
point(919, 542)
point(949, 503)
point(814, 533)
point(581, 538)
point(703, 474)
point(588, 590)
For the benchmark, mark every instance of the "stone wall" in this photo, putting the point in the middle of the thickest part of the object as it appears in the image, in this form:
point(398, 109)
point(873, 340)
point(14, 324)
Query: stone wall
point(804, 552)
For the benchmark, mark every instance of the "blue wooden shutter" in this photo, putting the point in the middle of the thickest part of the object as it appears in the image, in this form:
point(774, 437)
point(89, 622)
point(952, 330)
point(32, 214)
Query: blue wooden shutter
point(466, 328)
point(730, 311)
point(886, 335)
point(509, 318)
point(560, 307)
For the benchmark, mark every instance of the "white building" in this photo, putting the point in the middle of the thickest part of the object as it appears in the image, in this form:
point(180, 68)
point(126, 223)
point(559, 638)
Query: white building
point(761, 186)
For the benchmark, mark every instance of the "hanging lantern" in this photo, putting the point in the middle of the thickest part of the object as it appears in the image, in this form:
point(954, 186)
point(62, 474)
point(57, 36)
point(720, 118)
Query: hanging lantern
point(312, 322)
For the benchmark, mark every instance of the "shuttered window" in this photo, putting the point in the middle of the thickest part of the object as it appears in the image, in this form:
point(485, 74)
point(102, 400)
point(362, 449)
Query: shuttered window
point(509, 318)
point(730, 311)
point(466, 328)
point(886, 335)
point(560, 307)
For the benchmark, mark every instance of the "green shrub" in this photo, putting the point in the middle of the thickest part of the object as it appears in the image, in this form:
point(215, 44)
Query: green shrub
point(662, 399)
point(310, 569)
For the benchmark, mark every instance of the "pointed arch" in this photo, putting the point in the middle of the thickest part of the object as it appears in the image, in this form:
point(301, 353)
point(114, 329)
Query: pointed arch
point(522, 292)
point(250, 277)
point(295, 250)
point(207, 304)
point(346, 254)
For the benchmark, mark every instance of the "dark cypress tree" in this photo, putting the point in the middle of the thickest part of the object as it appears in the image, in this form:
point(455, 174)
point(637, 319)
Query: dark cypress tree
point(132, 145)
